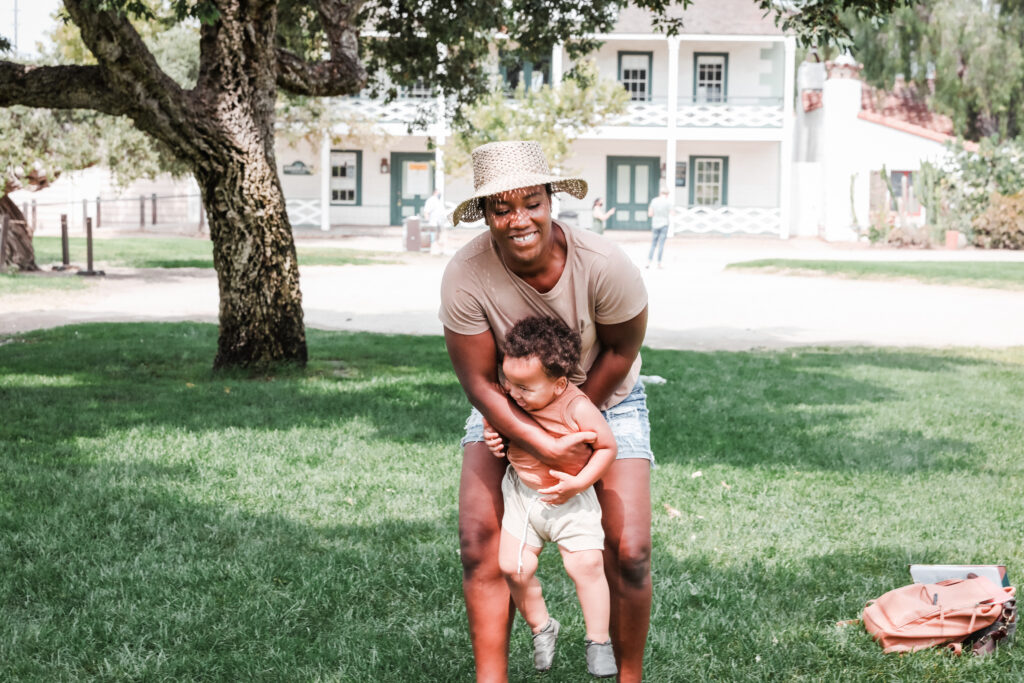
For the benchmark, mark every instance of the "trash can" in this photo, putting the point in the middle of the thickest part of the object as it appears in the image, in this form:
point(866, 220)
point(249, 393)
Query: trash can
point(570, 218)
point(413, 240)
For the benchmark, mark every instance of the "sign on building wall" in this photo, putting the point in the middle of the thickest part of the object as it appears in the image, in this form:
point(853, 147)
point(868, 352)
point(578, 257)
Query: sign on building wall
point(297, 168)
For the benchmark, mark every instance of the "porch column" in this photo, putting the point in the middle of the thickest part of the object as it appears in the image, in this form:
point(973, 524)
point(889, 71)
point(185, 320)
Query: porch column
point(325, 181)
point(556, 65)
point(440, 137)
point(673, 96)
point(786, 146)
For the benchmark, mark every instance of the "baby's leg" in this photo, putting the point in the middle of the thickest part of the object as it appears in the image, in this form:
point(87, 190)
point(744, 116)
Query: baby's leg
point(524, 585)
point(586, 569)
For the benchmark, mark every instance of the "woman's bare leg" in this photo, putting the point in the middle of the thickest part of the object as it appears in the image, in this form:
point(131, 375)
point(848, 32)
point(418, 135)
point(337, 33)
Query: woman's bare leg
point(488, 605)
point(625, 496)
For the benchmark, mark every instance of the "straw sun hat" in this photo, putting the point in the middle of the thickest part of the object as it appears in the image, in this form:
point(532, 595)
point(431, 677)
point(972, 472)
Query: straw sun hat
point(504, 166)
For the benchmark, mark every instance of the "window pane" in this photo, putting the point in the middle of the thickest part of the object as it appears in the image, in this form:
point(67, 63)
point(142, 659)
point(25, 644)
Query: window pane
point(623, 195)
point(344, 177)
point(711, 78)
point(642, 180)
point(707, 188)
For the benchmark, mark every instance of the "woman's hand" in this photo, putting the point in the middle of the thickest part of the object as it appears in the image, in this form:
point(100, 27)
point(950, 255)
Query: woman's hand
point(567, 487)
point(496, 443)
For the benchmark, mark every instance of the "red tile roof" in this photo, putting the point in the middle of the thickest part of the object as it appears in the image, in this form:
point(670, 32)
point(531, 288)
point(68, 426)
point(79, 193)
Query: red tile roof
point(901, 108)
point(903, 104)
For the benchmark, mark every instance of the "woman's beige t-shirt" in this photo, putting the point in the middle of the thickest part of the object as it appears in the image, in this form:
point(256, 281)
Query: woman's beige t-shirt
point(599, 285)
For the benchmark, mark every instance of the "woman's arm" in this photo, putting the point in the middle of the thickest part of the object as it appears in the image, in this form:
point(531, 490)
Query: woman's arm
point(620, 344)
point(587, 417)
point(474, 358)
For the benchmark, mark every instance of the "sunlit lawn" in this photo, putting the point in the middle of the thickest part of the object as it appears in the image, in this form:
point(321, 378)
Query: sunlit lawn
point(180, 252)
point(159, 522)
point(992, 274)
point(30, 283)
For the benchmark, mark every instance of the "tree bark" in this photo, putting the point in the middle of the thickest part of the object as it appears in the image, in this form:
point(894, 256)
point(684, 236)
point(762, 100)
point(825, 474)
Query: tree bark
point(18, 250)
point(254, 255)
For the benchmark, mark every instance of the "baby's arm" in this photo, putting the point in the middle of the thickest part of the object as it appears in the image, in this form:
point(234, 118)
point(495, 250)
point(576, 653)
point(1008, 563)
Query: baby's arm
point(587, 418)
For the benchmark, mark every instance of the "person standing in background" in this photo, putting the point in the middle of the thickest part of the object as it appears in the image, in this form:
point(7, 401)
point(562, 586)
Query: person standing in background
point(600, 215)
point(660, 211)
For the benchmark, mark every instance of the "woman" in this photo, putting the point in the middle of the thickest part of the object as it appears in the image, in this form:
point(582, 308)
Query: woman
point(526, 264)
point(600, 215)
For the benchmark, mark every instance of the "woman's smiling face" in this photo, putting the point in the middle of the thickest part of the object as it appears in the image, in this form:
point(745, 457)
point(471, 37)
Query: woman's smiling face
point(520, 223)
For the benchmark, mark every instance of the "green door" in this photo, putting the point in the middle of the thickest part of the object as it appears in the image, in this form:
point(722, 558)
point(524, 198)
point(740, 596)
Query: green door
point(632, 184)
point(412, 182)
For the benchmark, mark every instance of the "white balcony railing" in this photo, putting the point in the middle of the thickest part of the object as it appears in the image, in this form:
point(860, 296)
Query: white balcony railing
point(651, 113)
point(402, 110)
point(728, 220)
point(737, 112)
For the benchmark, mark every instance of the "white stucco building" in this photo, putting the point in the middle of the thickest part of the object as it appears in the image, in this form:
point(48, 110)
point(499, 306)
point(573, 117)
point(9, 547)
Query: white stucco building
point(745, 140)
point(711, 115)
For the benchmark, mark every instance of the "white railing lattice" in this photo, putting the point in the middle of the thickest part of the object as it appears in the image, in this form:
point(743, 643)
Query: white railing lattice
point(728, 220)
point(303, 211)
point(402, 110)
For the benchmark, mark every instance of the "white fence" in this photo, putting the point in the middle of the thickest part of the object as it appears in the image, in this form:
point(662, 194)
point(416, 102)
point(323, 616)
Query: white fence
point(728, 220)
point(303, 211)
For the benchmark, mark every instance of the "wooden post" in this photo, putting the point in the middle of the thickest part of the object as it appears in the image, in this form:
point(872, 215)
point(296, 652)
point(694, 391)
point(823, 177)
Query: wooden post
point(97, 211)
point(142, 212)
point(202, 215)
point(88, 251)
point(65, 256)
point(3, 240)
point(34, 224)
point(154, 209)
point(88, 245)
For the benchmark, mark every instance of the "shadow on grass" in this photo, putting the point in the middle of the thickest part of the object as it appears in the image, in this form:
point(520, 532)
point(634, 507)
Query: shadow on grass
point(108, 571)
point(193, 563)
point(837, 410)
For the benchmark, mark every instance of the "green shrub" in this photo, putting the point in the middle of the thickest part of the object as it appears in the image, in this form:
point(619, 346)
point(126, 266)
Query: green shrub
point(1001, 226)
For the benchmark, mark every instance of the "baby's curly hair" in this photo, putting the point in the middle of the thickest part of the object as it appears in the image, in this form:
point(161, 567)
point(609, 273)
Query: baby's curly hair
point(554, 343)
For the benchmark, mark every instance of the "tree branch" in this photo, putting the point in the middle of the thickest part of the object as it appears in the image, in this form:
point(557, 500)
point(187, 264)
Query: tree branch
point(58, 87)
point(323, 79)
point(127, 65)
point(343, 73)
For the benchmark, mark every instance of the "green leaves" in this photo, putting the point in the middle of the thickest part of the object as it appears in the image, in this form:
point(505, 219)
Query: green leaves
point(553, 116)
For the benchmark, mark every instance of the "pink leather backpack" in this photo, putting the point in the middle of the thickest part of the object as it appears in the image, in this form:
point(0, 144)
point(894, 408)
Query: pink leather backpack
point(947, 613)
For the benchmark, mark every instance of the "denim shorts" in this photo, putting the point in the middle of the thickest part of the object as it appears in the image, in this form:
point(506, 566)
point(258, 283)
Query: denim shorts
point(629, 421)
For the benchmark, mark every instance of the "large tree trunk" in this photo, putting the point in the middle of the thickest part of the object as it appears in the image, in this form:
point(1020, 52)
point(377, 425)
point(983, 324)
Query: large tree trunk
point(224, 130)
point(254, 254)
point(18, 250)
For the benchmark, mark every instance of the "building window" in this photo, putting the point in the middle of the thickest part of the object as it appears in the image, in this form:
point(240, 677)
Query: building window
point(709, 185)
point(710, 77)
point(635, 74)
point(904, 198)
point(346, 172)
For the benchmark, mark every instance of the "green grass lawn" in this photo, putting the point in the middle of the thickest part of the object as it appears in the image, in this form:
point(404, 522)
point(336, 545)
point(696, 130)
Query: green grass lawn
point(180, 252)
point(992, 274)
point(159, 522)
point(30, 283)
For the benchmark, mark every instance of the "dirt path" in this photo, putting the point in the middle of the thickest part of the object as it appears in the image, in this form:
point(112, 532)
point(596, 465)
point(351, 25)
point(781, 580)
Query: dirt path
point(695, 302)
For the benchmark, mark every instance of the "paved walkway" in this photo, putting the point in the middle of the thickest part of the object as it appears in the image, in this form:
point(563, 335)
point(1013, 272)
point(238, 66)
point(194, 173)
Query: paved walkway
point(695, 302)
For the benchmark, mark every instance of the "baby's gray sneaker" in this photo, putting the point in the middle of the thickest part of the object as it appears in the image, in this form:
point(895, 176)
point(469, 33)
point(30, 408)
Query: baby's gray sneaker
point(601, 659)
point(544, 645)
